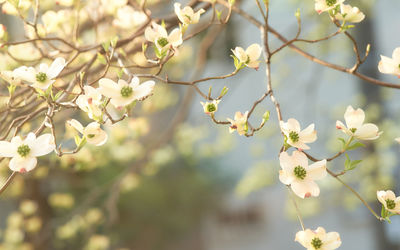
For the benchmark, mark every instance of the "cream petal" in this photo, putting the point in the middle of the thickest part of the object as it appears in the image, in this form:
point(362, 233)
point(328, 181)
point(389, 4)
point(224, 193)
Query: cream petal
point(381, 195)
point(196, 17)
point(317, 170)
point(76, 124)
point(299, 159)
point(150, 34)
point(396, 56)
point(387, 65)
point(43, 145)
point(332, 241)
point(56, 67)
point(175, 37)
point(7, 149)
point(354, 118)
point(19, 164)
point(43, 67)
point(293, 125)
point(308, 135)
point(285, 177)
point(99, 139)
point(305, 188)
point(120, 102)
point(26, 74)
point(143, 90)
point(109, 88)
point(134, 82)
point(304, 237)
point(253, 51)
point(299, 144)
point(286, 162)
point(253, 64)
point(240, 54)
point(367, 131)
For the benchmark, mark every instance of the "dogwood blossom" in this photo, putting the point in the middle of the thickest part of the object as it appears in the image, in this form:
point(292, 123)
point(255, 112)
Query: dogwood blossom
point(350, 14)
point(248, 57)
point(11, 76)
point(318, 239)
point(158, 35)
point(90, 102)
point(239, 123)
point(390, 65)
point(187, 15)
point(326, 5)
point(355, 127)
point(56, 21)
point(297, 137)
point(122, 93)
point(128, 17)
point(24, 152)
point(42, 77)
point(389, 201)
point(210, 107)
point(92, 132)
point(299, 175)
point(21, 7)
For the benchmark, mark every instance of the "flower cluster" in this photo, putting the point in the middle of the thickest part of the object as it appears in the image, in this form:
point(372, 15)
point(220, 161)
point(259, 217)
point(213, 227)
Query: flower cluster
point(339, 10)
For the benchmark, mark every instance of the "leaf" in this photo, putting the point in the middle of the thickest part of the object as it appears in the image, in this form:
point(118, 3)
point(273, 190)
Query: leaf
point(57, 96)
point(224, 91)
point(266, 116)
point(114, 41)
point(355, 145)
point(349, 164)
point(11, 89)
point(343, 141)
point(106, 46)
point(236, 62)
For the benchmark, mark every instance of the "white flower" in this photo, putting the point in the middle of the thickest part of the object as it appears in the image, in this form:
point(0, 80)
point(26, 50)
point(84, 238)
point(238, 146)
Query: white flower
point(93, 133)
point(296, 137)
point(122, 93)
point(239, 123)
point(57, 21)
point(390, 65)
point(250, 56)
point(22, 7)
point(349, 14)
point(158, 35)
point(210, 107)
point(299, 175)
point(90, 102)
point(389, 200)
point(24, 152)
point(187, 15)
point(128, 18)
point(355, 127)
point(43, 77)
point(326, 5)
point(318, 239)
point(11, 76)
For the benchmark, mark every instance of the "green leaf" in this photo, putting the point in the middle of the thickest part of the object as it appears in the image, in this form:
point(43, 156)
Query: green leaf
point(236, 62)
point(355, 145)
point(120, 73)
point(266, 116)
point(11, 89)
point(343, 141)
point(232, 2)
point(114, 41)
point(57, 96)
point(218, 14)
point(224, 91)
point(101, 58)
point(349, 164)
point(106, 46)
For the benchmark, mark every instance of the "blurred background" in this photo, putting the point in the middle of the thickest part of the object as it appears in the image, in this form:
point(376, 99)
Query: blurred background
point(169, 178)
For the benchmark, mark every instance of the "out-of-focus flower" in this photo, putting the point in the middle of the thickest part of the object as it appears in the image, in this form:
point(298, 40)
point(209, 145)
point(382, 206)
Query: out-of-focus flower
point(158, 35)
point(122, 93)
point(355, 127)
point(187, 15)
point(350, 14)
point(93, 133)
point(299, 175)
point(326, 5)
point(28, 207)
point(239, 123)
point(297, 137)
point(90, 102)
point(42, 77)
point(2, 31)
point(389, 201)
point(318, 239)
point(390, 65)
point(54, 21)
point(24, 152)
point(248, 57)
point(128, 18)
point(210, 107)
point(21, 7)
point(11, 77)
point(66, 3)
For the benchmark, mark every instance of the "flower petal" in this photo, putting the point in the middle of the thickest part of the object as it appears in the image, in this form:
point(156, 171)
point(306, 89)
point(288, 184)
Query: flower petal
point(19, 164)
point(367, 131)
point(253, 51)
point(7, 149)
point(43, 145)
point(109, 88)
point(56, 67)
point(354, 118)
point(143, 90)
point(76, 124)
point(317, 170)
point(305, 188)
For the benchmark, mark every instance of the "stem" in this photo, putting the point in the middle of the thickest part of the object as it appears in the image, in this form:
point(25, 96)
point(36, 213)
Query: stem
point(297, 208)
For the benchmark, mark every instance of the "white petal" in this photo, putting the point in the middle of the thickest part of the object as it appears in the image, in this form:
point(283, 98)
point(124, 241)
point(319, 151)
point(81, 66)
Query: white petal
point(76, 124)
point(354, 118)
point(175, 38)
point(299, 159)
point(387, 65)
point(134, 82)
point(317, 170)
point(56, 67)
point(285, 177)
point(19, 164)
point(305, 188)
point(26, 74)
point(143, 90)
point(286, 162)
point(293, 125)
point(43, 145)
point(240, 54)
point(367, 131)
point(308, 135)
point(254, 52)
point(396, 56)
point(109, 88)
point(7, 149)
point(332, 241)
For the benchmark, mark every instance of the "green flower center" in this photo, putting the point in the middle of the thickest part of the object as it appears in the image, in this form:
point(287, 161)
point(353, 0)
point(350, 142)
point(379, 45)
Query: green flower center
point(41, 77)
point(162, 41)
point(316, 243)
point(91, 135)
point(211, 107)
point(399, 66)
point(23, 150)
point(300, 172)
point(330, 2)
point(126, 91)
point(390, 204)
point(294, 136)
point(353, 130)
